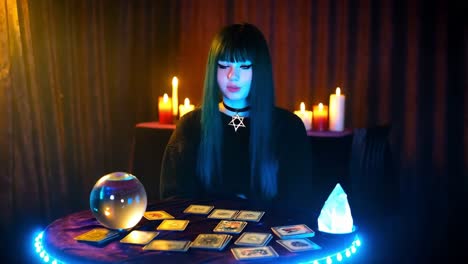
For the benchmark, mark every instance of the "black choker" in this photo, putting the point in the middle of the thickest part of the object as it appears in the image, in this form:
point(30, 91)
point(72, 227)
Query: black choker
point(236, 121)
point(237, 110)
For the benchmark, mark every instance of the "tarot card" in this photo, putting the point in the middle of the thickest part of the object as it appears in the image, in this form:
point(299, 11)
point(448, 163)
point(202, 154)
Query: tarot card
point(225, 226)
point(157, 215)
point(253, 239)
point(251, 253)
point(139, 237)
point(97, 236)
point(299, 244)
point(168, 245)
point(211, 241)
point(253, 216)
point(198, 209)
point(226, 241)
point(173, 225)
point(293, 231)
point(223, 214)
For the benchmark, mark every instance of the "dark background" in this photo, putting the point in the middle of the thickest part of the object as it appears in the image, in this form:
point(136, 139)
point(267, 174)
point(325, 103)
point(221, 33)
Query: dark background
point(76, 76)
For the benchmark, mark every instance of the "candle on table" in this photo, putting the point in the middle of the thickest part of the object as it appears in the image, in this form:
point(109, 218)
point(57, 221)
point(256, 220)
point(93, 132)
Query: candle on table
point(165, 109)
point(337, 111)
point(306, 116)
point(320, 118)
point(185, 108)
point(175, 97)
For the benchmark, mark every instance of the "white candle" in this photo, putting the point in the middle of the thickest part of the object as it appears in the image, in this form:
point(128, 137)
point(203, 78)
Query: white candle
point(175, 98)
point(306, 116)
point(337, 111)
point(185, 108)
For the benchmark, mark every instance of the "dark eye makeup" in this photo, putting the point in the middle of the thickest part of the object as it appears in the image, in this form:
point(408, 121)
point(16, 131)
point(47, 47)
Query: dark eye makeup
point(222, 66)
point(244, 66)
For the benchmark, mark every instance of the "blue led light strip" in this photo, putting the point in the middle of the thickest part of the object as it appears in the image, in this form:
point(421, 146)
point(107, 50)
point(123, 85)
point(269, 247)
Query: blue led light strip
point(46, 257)
point(338, 256)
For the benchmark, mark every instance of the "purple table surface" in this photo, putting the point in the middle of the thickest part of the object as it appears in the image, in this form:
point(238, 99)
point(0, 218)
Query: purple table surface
point(59, 236)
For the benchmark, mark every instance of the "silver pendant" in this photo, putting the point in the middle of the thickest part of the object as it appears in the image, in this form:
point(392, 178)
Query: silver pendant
point(239, 123)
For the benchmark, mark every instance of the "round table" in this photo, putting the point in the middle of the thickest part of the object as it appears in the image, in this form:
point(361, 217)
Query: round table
point(56, 244)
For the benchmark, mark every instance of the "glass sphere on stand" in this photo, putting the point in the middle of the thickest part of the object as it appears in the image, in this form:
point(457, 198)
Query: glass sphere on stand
point(118, 200)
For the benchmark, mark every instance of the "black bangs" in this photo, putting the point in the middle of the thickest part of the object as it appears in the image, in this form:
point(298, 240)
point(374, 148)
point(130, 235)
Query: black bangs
point(236, 45)
point(234, 54)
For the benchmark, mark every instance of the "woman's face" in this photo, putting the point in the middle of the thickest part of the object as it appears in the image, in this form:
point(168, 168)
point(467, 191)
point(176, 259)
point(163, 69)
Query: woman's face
point(234, 80)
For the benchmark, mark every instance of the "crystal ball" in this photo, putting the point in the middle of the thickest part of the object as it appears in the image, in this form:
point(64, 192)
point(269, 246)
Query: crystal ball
point(118, 200)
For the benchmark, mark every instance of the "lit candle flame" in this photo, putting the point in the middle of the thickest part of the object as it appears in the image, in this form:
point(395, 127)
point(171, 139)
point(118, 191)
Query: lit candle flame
point(320, 106)
point(175, 81)
point(302, 107)
point(338, 91)
point(187, 102)
point(165, 98)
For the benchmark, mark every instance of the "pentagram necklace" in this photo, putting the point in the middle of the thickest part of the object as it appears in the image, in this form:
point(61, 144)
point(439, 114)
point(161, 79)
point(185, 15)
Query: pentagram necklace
point(236, 121)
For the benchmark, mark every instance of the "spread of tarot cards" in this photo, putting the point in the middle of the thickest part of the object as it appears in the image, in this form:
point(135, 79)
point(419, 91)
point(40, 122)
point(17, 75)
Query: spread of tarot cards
point(230, 226)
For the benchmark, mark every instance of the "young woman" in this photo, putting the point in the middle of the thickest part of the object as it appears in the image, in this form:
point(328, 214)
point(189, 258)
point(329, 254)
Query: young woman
point(238, 144)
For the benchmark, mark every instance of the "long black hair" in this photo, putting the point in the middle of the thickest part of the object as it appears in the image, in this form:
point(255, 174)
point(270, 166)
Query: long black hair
point(240, 42)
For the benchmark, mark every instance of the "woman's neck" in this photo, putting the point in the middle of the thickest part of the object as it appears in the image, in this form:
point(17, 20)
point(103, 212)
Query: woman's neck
point(228, 112)
point(235, 103)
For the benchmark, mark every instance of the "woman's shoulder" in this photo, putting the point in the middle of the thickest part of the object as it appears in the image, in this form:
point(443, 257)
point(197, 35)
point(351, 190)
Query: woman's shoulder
point(189, 124)
point(286, 117)
point(190, 118)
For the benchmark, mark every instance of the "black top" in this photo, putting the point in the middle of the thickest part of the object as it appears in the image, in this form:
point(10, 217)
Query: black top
point(179, 175)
